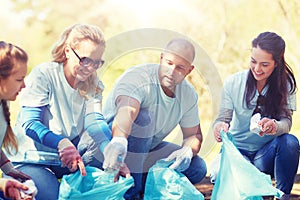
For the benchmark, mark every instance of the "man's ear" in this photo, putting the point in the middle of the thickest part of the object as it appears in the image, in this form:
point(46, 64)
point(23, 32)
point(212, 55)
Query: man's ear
point(191, 68)
point(161, 55)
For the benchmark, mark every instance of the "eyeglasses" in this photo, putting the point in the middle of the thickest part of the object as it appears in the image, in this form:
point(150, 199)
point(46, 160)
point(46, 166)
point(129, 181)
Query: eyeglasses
point(259, 102)
point(88, 62)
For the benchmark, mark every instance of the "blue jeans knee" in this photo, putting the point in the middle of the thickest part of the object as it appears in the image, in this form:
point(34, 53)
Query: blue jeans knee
point(197, 170)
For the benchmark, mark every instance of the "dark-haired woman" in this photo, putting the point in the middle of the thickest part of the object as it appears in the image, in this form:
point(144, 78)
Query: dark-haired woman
point(268, 88)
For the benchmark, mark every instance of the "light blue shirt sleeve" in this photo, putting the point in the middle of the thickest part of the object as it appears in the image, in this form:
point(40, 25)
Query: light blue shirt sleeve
point(98, 129)
point(35, 129)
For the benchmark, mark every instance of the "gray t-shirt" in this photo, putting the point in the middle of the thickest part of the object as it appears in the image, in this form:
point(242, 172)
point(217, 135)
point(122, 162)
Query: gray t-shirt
point(142, 83)
point(46, 85)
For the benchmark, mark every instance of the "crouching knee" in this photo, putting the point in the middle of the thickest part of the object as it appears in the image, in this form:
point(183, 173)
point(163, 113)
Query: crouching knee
point(197, 170)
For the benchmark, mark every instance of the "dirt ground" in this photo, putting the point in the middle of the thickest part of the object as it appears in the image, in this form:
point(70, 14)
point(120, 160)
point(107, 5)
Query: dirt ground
point(205, 187)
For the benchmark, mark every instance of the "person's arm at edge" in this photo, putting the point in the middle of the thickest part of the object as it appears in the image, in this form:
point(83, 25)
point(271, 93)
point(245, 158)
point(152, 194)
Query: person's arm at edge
point(95, 123)
point(127, 111)
point(35, 129)
point(284, 125)
point(193, 138)
point(97, 128)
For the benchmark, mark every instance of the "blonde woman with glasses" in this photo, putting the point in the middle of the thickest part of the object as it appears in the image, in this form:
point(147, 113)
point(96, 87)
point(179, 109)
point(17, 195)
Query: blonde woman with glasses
point(61, 110)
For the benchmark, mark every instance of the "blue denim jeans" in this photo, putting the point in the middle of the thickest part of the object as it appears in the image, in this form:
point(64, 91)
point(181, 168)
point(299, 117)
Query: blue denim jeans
point(278, 158)
point(140, 157)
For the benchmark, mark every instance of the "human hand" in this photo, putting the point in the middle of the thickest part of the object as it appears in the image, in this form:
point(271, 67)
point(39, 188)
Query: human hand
point(124, 171)
point(115, 153)
point(11, 188)
point(70, 157)
point(31, 192)
point(268, 126)
point(182, 158)
point(217, 130)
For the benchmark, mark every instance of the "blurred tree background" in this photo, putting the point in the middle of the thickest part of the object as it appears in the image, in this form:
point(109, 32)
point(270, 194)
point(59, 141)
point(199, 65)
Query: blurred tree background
point(224, 29)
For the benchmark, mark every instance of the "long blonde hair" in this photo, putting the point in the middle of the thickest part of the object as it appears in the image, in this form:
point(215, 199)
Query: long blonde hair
point(10, 55)
point(73, 36)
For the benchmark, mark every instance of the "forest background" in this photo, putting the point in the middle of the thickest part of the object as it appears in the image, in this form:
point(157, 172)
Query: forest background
point(136, 30)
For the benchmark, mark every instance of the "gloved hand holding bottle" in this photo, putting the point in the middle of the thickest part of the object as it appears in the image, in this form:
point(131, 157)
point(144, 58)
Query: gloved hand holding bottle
point(115, 153)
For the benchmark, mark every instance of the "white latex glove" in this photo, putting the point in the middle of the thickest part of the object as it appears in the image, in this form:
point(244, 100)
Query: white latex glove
point(254, 127)
point(115, 153)
point(182, 158)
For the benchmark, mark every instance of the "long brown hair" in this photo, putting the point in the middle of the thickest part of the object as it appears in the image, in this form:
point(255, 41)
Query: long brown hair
point(282, 81)
point(9, 55)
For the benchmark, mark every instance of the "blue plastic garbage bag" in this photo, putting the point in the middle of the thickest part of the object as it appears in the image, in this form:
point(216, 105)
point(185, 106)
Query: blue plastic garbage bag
point(238, 179)
point(96, 185)
point(165, 183)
